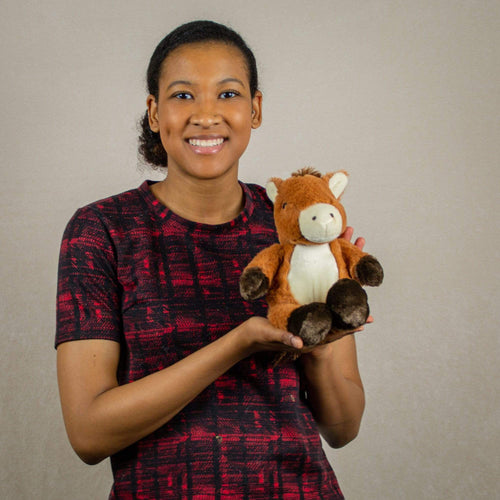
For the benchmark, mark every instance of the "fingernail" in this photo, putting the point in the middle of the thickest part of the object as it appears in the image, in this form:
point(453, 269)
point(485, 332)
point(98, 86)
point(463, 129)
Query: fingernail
point(296, 342)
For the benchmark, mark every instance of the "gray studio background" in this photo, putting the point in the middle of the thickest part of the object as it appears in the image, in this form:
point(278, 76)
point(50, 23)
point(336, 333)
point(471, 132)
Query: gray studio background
point(404, 95)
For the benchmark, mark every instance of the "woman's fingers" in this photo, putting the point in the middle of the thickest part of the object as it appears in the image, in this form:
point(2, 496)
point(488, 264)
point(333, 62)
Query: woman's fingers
point(360, 242)
point(266, 337)
point(347, 234)
point(289, 339)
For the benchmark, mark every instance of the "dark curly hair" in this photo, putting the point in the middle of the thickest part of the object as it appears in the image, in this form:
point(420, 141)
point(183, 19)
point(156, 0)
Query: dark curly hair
point(150, 146)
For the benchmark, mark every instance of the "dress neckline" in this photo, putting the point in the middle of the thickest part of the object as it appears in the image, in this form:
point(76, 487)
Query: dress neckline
point(166, 214)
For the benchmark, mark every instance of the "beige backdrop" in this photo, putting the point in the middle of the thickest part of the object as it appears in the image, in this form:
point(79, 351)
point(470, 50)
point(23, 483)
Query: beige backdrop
point(404, 95)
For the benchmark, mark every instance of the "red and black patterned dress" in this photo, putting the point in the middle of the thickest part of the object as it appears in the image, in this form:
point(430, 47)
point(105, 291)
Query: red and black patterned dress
point(133, 272)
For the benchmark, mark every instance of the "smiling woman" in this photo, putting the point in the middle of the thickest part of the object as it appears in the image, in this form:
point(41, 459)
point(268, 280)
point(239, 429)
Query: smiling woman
point(161, 364)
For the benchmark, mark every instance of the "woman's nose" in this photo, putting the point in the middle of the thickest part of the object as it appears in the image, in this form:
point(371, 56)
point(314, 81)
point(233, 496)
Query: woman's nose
point(206, 115)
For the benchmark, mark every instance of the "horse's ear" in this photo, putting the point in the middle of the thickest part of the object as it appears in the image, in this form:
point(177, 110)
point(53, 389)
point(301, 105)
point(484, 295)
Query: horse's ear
point(337, 182)
point(272, 188)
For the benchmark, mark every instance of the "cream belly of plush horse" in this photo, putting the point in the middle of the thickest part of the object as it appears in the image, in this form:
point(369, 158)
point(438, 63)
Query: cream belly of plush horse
point(313, 270)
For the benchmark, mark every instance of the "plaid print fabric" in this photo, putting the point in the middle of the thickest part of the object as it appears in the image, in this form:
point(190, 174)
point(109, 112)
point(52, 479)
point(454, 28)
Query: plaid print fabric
point(133, 272)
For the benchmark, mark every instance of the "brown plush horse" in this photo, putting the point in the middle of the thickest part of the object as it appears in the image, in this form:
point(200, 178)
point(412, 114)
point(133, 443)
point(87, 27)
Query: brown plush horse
point(312, 278)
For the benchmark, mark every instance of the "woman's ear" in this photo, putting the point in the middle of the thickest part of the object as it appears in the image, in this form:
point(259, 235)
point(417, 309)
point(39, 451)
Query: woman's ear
point(153, 113)
point(257, 109)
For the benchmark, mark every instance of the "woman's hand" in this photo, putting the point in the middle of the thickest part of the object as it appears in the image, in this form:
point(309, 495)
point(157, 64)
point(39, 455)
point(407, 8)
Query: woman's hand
point(323, 349)
point(257, 334)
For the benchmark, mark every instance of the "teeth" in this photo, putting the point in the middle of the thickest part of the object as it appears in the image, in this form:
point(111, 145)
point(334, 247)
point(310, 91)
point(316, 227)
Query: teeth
point(206, 143)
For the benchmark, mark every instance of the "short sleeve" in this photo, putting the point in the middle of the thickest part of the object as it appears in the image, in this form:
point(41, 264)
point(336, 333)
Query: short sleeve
point(88, 292)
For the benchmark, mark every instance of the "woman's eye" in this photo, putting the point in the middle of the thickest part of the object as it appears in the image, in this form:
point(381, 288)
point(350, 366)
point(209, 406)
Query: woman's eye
point(229, 94)
point(183, 95)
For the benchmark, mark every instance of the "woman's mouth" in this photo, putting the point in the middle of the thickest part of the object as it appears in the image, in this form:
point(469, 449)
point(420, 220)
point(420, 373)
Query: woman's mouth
point(206, 146)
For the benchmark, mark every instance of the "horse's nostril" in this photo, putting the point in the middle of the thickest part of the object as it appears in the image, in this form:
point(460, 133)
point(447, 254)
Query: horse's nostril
point(331, 215)
point(314, 218)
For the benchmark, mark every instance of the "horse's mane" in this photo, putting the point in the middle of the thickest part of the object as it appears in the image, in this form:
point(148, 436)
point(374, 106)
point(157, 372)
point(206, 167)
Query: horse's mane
point(306, 171)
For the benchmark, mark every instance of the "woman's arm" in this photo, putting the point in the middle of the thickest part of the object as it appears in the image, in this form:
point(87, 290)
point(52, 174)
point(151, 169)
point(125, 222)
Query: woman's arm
point(102, 417)
point(334, 390)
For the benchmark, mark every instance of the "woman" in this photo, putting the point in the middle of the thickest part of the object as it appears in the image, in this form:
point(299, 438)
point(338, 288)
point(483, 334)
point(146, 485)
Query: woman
point(161, 365)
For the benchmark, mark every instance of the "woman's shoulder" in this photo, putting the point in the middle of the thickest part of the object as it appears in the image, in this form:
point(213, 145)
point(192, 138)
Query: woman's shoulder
point(124, 203)
point(111, 215)
point(121, 206)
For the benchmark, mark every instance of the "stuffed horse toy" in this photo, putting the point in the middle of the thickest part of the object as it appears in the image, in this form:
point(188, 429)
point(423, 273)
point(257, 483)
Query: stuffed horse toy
point(312, 278)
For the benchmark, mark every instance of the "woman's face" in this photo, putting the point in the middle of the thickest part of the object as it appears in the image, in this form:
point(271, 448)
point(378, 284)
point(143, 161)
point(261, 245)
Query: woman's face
point(205, 111)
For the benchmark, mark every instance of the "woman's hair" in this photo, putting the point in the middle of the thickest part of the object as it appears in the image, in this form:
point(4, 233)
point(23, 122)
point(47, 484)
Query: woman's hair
point(150, 146)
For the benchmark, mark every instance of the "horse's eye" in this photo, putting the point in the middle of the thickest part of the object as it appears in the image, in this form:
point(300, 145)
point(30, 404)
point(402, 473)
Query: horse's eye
point(284, 205)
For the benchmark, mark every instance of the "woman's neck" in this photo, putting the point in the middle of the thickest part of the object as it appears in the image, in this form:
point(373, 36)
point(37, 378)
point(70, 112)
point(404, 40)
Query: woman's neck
point(211, 201)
